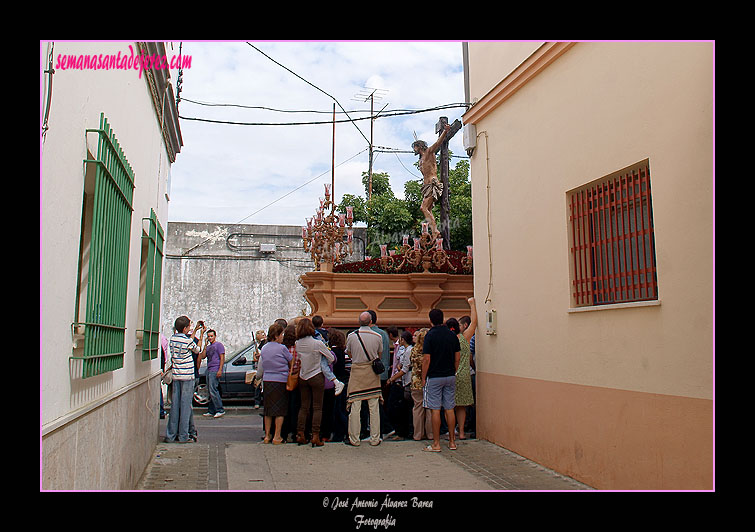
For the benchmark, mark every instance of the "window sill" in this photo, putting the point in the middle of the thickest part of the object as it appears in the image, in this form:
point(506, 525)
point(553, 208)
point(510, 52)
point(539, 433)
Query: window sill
point(591, 308)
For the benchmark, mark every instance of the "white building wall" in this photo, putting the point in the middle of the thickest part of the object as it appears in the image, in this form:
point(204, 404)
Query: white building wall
point(78, 98)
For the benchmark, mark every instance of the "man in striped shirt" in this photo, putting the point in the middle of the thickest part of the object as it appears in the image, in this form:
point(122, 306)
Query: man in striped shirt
point(181, 419)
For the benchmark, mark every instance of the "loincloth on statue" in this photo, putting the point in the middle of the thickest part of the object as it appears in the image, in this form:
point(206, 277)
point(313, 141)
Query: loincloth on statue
point(434, 188)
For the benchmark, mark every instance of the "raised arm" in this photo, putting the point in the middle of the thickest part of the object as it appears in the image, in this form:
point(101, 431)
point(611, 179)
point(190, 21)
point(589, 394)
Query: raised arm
point(469, 331)
point(437, 143)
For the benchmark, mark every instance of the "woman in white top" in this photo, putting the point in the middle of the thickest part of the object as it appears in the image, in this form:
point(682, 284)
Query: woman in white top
point(311, 380)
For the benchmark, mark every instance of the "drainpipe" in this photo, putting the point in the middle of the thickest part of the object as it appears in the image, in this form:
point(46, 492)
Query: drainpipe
point(465, 61)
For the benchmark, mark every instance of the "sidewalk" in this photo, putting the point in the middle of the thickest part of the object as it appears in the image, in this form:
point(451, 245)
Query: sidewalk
point(390, 466)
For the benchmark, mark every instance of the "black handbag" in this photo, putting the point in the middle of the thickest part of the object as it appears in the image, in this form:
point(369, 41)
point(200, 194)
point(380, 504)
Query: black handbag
point(377, 364)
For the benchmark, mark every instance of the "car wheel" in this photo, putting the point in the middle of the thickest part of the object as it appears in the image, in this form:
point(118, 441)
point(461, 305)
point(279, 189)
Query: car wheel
point(201, 395)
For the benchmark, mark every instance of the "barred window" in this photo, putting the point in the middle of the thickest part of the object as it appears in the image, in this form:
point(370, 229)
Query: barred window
point(150, 286)
point(103, 256)
point(612, 240)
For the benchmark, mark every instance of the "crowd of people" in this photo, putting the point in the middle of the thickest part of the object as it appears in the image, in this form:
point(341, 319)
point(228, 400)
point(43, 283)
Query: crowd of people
point(321, 385)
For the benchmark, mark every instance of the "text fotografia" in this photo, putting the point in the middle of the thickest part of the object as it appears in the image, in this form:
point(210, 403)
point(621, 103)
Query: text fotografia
point(357, 503)
point(120, 61)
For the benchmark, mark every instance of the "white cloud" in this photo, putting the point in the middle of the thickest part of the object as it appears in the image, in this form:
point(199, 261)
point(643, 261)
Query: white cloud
point(225, 173)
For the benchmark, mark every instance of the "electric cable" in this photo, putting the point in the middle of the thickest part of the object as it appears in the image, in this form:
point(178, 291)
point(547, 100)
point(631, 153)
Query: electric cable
point(309, 83)
point(384, 115)
point(48, 88)
point(301, 111)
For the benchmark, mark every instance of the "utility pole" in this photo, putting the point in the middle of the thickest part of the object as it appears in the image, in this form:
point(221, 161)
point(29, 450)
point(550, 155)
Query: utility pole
point(363, 96)
point(445, 226)
point(372, 123)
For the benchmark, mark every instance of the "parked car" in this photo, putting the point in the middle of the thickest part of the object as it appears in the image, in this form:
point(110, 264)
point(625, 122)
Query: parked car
point(232, 383)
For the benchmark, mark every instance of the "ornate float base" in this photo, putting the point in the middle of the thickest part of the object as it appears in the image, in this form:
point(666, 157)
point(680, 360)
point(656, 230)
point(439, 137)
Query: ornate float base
point(402, 300)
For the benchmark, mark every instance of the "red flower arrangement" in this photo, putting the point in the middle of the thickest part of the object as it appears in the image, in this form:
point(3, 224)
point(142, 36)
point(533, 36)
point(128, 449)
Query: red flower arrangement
point(373, 265)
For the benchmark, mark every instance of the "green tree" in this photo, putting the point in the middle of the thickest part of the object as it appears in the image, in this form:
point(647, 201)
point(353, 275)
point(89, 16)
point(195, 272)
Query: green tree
point(389, 218)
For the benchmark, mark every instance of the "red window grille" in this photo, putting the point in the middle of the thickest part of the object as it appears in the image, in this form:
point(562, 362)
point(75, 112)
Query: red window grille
point(613, 244)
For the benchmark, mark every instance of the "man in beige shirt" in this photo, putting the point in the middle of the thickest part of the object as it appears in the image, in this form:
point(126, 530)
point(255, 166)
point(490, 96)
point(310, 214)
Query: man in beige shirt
point(364, 383)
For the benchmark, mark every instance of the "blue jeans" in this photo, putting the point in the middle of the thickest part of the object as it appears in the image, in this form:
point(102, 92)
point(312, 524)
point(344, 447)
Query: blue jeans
point(325, 367)
point(216, 403)
point(181, 418)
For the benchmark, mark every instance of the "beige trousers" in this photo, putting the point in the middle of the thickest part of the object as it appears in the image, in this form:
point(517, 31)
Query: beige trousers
point(355, 421)
point(423, 423)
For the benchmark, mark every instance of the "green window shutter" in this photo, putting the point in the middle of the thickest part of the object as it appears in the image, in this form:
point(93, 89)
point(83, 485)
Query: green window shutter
point(105, 325)
point(155, 241)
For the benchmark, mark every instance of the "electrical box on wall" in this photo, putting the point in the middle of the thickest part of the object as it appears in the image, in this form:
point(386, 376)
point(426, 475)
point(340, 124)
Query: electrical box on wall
point(491, 322)
point(267, 248)
point(469, 138)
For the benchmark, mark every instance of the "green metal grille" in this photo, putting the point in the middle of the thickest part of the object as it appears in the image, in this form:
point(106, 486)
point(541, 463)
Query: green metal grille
point(151, 332)
point(105, 325)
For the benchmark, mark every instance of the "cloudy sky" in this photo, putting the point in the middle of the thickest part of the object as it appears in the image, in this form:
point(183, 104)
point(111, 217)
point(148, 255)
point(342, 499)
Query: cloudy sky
point(234, 173)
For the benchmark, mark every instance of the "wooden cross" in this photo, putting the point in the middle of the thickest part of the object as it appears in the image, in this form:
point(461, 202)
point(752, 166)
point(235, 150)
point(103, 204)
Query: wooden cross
point(445, 226)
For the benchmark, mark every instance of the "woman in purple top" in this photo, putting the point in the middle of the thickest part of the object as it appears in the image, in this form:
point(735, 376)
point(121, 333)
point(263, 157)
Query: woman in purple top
point(275, 359)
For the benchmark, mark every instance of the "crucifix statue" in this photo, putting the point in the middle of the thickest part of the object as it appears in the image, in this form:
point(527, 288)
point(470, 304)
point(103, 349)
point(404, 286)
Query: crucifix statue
point(433, 189)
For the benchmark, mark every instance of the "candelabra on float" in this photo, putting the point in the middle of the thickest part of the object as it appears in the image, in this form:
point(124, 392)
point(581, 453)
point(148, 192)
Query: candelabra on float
point(328, 236)
point(425, 251)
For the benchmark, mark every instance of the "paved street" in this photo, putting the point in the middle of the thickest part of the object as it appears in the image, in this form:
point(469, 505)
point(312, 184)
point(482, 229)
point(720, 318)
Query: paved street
point(230, 456)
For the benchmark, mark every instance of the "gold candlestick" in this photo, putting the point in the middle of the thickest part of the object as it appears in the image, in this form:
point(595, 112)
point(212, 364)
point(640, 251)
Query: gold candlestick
point(426, 251)
point(328, 236)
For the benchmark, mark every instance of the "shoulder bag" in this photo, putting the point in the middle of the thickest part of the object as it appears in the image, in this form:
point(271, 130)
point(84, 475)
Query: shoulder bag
point(293, 374)
point(377, 364)
point(167, 377)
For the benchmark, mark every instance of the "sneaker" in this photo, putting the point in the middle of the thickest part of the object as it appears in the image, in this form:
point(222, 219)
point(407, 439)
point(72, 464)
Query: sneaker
point(339, 386)
point(219, 414)
point(207, 414)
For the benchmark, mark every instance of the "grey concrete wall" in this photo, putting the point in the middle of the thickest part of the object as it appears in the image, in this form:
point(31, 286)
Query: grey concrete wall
point(217, 273)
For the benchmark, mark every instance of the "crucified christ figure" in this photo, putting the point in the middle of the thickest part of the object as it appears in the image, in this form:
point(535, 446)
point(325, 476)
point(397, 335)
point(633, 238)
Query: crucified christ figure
point(431, 187)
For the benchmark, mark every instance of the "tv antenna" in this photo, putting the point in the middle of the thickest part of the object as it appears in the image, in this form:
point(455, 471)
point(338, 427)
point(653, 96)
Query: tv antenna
point(371, 94)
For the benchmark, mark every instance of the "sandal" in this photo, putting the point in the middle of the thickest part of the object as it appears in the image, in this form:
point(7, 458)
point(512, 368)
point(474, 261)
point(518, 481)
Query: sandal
point(430, 449)
point(453, 448)
point(278, 442)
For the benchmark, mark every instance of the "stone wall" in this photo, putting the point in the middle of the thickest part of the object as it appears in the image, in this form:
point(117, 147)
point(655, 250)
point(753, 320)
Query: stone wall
point(222, 274)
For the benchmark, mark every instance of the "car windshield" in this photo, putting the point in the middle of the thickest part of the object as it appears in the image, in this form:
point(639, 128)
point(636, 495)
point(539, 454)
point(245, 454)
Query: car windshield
point(246, 350)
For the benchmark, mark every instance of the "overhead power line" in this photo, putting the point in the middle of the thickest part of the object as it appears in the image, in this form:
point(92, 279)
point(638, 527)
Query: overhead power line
point(395, 113)
point(303, 111)
point(308, 83)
